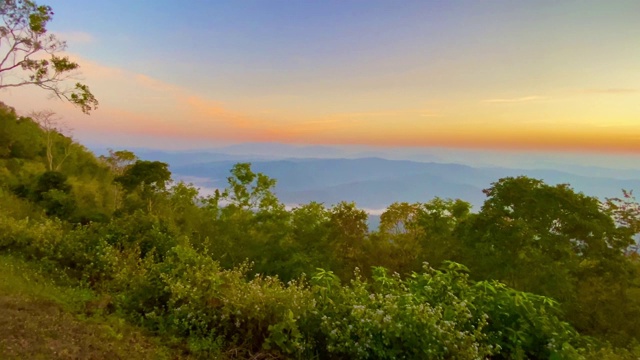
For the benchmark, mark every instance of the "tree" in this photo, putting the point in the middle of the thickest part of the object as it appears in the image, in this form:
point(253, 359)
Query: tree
point(250, 191)
point(439, 220)
point(53, 193)
point(254, 224)
point(348, 233)
point(147, 177)
point(626, 212)
point(151, 175)
point(52, 180)
point(534, 236)
point(552, 241)
point(52, 126)
point(183, 208)
point(28, 54)
point(396, 244)
point(118, 162)
point(410, 234)
point(310, 230)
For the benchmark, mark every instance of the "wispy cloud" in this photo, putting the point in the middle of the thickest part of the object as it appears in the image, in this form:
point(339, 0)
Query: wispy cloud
point(612, 91)
point(142, 110)
point(76, 37)
point(388, 114)
point(514, 100)
point(429, 114)
point(155, 84)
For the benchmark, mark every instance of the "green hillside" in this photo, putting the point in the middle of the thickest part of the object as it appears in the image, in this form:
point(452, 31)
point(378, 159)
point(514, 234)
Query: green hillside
point(539, 272)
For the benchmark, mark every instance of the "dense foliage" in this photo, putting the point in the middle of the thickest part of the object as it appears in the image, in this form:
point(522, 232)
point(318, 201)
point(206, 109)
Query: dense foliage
point(548, 273)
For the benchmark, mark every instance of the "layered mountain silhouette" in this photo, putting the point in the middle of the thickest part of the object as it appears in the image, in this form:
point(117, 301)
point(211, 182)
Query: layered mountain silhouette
point(375, 183)
point(374, 178)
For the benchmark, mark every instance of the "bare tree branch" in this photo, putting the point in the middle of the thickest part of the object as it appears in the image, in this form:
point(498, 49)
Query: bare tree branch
point(54, 127)
point(23, 36)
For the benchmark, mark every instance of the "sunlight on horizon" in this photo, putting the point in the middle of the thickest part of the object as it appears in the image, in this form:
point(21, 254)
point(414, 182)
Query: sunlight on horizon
point(495, 76)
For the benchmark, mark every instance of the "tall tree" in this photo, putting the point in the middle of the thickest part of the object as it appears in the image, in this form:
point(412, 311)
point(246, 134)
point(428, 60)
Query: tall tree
point(250, 191)
point(348, 233)
point(555, 242)
point(411, 234)
point(534, 236)
point(439, 220)
point(28, 54)
point(146, 178)
point(52, 126)
point(118, 161)
point(396, 244)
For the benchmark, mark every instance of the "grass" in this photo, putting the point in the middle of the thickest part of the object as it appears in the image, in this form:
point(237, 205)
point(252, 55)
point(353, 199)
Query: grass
point(45, 315)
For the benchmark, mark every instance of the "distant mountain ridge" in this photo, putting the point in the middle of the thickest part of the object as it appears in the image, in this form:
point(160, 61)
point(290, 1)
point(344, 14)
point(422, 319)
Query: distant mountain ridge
point(620, 166)
point(375, 183)
point(375, 178)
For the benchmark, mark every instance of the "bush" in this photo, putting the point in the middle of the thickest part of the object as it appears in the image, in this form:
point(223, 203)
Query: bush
point(35, 238)
point(189, 295)
point(389, 319)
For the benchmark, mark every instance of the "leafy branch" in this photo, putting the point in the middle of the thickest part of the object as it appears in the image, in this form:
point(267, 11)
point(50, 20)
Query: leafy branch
point(28, 54)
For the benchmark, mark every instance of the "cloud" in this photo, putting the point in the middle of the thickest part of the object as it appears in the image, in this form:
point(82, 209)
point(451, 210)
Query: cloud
point(138, 106)
point(76, 37)
point(154, 84)
point(140, 110)
point(514, 100)
point(366, 116)
point(612, 91)
point(428, 114)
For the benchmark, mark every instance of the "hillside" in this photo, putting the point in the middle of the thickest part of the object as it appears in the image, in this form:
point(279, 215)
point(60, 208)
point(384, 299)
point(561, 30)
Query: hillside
point(239, 273)
point(43, 319)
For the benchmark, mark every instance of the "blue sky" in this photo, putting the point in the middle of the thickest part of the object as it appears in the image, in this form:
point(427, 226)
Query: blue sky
point(510, 75)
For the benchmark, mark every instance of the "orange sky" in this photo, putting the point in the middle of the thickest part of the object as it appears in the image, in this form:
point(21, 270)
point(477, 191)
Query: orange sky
point(137, 105)
point(556, 82)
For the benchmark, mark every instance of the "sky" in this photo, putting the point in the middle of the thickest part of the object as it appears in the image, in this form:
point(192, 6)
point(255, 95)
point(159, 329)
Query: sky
point(540, 75)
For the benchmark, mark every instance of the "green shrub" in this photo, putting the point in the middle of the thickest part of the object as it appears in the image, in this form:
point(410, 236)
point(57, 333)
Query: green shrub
point(388, 319)
point(34, 238)
point(195, 298)
point(86, 252)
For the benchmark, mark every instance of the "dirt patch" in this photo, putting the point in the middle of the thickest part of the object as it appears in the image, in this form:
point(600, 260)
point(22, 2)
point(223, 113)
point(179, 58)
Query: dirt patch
point(41, 329)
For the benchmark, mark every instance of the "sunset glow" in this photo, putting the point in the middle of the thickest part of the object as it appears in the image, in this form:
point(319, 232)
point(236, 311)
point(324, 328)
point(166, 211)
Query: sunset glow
point(492, 75)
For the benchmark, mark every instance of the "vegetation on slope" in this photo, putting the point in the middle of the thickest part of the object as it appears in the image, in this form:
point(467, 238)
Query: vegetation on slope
point(44, 316)
point(548, 273)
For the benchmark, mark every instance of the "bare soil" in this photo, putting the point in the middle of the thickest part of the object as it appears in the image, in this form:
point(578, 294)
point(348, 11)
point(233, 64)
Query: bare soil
point(41, 329)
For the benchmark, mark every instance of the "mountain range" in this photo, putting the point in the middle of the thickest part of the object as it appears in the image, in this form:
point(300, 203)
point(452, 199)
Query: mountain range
point(333, 174)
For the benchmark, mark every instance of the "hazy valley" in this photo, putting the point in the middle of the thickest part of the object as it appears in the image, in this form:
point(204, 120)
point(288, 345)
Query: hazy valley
point(374, 180)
